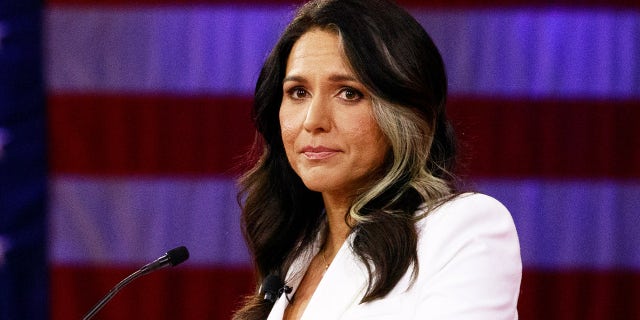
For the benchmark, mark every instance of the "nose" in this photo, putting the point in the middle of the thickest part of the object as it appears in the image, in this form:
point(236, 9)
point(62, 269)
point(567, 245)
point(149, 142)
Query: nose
point(318, 118)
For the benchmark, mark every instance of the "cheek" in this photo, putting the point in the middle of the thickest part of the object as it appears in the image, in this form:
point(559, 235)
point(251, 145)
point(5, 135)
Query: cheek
point(287, 130)
point(378, 149)
point(289, 133)
point(374, 143)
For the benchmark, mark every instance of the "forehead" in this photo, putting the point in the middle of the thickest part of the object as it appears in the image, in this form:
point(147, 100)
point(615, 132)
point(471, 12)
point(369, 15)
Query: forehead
point(318, 38)
point(317, 48)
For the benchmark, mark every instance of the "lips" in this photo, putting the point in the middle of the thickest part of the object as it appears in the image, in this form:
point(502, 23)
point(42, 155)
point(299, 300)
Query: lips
point(318, 153)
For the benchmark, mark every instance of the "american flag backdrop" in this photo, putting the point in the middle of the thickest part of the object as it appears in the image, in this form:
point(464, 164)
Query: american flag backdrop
point(121, 132)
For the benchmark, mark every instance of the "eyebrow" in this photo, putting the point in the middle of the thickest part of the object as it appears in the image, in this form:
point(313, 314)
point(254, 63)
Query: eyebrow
point(332, 78)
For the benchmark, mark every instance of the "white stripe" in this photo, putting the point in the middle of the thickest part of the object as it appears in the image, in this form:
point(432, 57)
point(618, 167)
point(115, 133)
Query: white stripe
point(172, 49)
point(219, 49)
point(559, 52)
point(561, 224)
point(133, 220)
point(573, 224)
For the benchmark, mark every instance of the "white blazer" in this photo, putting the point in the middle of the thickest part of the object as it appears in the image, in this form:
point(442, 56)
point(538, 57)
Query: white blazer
point(469, 268)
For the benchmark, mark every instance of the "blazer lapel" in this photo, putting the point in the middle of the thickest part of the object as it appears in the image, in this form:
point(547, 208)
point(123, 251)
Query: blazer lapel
point(294, 277)
point(342, 287)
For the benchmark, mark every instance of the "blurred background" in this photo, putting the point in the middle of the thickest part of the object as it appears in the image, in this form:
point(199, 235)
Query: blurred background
point(123, 122)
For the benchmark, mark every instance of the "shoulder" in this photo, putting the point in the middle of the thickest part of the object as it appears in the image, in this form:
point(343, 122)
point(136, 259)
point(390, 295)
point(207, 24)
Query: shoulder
point(469, 265)
point(471, 227)
point(468, 210)
point(468, 250)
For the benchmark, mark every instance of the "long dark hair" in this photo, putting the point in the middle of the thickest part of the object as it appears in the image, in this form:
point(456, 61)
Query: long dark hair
point(397, 61)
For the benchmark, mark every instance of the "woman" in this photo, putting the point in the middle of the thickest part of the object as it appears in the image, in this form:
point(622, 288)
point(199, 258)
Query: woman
point(353, 203)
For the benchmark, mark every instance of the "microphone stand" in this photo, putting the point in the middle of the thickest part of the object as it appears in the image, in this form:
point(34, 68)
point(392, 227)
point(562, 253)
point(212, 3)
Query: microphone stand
point(113, 292)
point(173, 258)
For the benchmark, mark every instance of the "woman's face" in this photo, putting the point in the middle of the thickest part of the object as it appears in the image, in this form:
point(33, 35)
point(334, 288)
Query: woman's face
point(329, 133)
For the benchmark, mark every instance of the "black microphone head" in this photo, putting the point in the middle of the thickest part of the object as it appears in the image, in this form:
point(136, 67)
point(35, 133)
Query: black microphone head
point(271, 287)
point(177, 255)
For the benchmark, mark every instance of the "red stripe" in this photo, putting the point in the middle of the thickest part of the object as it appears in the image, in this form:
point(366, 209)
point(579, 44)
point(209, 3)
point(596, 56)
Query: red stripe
point(158, 135)
point(213, 293)
point(406, 3)
point(548, 138)
point(180, 293)
point(585, 295)
point(123, 135)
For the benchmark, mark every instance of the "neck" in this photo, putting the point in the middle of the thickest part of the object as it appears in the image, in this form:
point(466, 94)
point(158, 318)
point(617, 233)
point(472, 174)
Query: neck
point(338, 229)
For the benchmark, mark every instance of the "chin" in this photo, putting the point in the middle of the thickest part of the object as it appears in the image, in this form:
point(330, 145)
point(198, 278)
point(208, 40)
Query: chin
point(318, 186)
point(315, 187)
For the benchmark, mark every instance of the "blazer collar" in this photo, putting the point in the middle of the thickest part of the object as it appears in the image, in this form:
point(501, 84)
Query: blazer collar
point(342, 286)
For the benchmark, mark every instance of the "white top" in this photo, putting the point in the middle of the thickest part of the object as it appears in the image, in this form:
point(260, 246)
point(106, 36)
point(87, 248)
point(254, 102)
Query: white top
point(470, 268)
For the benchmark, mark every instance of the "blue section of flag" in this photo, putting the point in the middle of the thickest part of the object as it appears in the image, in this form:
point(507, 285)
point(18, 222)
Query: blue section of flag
point(23, 164)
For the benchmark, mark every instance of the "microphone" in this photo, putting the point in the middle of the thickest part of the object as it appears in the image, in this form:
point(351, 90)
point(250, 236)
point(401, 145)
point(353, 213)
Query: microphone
point(173, 258)
point(272, 288)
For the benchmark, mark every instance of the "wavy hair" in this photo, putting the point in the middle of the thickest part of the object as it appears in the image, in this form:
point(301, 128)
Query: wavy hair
point(394, 57)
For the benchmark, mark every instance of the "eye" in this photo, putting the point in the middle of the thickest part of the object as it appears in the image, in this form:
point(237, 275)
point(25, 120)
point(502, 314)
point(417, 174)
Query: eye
point(297, 93)
point(350, 94)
